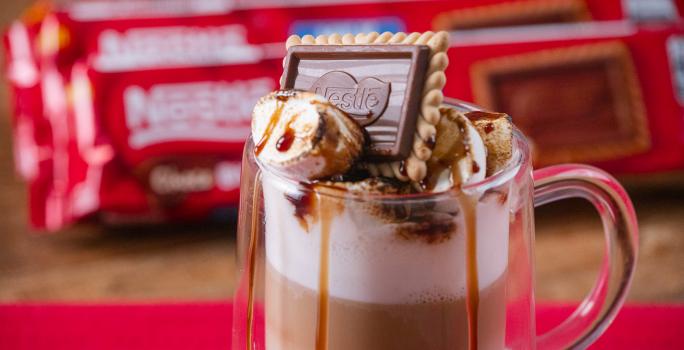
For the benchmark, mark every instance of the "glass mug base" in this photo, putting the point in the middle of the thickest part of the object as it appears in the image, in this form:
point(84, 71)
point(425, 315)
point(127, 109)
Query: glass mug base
point(324, 269)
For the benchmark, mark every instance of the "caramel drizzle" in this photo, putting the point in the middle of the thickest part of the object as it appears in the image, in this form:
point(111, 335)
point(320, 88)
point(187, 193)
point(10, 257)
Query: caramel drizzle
point(435, 167)
point(326, 215)
point(251, 256)
point(469, 209)
point(275, 118)
point(285, 142)
point(323, 211)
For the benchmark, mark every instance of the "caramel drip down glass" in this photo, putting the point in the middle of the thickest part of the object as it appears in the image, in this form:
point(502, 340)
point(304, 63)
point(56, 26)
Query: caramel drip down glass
point(322, 268)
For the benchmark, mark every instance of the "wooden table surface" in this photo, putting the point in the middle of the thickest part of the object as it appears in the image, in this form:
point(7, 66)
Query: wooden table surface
point(90, 263)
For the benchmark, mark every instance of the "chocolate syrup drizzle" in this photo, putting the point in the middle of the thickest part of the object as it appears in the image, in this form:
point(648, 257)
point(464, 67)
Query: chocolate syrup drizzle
point(469, 209)
point(285, 141)
point(302, 203)
point(254, 234)
point(326, 215)
point(308, 207)
point(275, 118)
point(251, 256)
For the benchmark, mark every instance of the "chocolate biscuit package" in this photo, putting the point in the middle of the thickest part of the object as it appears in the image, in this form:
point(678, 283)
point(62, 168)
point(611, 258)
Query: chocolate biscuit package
point(137, 110)
point(133, 119)
point(606, 93)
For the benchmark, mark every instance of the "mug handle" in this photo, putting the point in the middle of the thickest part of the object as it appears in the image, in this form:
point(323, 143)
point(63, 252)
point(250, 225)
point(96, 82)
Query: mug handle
point(600, 306)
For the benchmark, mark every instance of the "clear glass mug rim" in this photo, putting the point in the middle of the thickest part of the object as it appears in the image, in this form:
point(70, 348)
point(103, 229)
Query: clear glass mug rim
point(521, 155)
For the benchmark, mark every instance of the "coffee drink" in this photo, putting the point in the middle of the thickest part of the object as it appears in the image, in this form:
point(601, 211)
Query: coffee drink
point(378, 217)
point(390, 282)
point(371, 240)
point(432, 324)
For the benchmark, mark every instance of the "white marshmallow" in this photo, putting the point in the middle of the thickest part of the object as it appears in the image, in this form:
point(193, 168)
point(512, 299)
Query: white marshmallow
point(323, 140)
point(471, 167)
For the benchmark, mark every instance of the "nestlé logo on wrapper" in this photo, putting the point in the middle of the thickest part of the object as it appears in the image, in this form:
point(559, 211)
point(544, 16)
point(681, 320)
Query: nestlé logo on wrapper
point(217, 111)
point(159, 47)
point(365, 100)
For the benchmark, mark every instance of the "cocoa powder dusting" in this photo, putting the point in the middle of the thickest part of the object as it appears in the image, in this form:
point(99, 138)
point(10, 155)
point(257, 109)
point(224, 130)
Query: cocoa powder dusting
point(482, 115)
point(431, 232)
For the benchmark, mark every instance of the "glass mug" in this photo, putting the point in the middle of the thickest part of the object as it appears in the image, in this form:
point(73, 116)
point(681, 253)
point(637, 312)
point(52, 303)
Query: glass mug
point(321, 268)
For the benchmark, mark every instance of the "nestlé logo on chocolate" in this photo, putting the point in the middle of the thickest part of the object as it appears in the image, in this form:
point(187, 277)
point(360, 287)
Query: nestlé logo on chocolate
point(365, 100)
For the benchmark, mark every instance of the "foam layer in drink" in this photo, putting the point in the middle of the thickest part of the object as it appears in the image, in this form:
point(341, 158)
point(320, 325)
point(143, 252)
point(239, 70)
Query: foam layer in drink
point(370, 261)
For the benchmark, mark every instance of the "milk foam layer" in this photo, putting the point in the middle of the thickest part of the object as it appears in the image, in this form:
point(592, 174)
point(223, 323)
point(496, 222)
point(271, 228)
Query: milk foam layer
point(369, 262)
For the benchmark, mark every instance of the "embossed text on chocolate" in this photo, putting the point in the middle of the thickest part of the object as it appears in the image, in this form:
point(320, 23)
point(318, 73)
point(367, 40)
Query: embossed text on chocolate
point(366, 100)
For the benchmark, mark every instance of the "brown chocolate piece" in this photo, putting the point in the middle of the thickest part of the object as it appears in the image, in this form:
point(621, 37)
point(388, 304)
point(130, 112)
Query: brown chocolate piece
point(577, 104)
point(367, 82)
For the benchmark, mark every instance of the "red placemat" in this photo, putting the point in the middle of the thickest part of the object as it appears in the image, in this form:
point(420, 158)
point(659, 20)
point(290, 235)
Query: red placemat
point(208, 326)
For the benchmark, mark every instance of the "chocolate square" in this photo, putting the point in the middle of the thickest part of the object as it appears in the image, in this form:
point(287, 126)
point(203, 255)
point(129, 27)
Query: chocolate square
point(578, 104)
point(378, 85)
point(517, 13)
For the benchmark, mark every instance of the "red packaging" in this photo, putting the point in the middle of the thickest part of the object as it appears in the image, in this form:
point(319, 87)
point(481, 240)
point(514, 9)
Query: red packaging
point(178, 134)
point(24, 76)
point(606, 93)
point(142, 120)
point(137, 110)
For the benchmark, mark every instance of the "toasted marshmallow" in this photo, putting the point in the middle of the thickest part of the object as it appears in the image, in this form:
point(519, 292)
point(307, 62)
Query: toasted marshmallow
point(496, 131)
point(303, 135)
point(459, 156)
